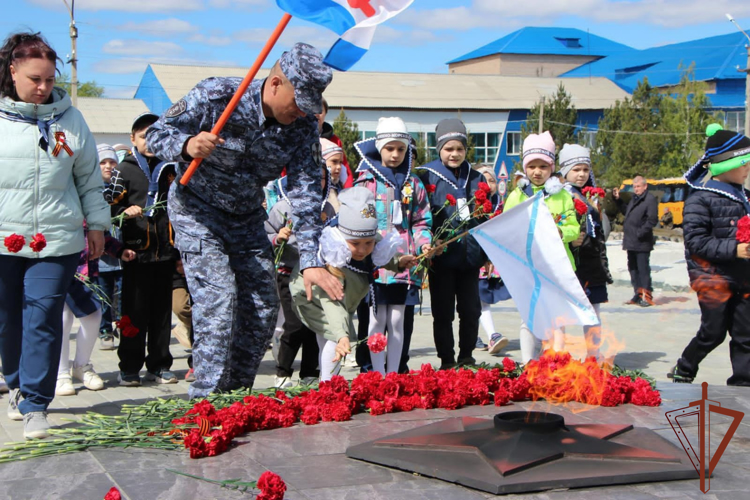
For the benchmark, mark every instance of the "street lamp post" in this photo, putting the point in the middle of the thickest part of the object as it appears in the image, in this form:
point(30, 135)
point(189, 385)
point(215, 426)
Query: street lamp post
point(747, 84)
point(73, 56)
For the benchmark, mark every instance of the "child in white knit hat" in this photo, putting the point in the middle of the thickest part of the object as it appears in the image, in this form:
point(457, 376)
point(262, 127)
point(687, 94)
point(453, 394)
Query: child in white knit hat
point(352, 250)
point(403, 208)
point(589, 249)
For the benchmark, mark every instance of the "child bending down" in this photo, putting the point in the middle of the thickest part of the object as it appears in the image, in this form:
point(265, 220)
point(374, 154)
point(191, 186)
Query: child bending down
point(351, 250)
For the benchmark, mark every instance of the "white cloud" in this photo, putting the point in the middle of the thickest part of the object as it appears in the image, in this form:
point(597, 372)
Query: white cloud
point(127, 5)
point(137, 65)
point(170, 26)
point(212, 40)
point(134, 47)
point(242, 4)
point(388, 35)
point(507, 14)
point(317, 37)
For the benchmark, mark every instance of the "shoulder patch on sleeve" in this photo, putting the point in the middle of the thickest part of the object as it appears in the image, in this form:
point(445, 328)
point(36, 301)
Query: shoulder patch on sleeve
point(176, 109)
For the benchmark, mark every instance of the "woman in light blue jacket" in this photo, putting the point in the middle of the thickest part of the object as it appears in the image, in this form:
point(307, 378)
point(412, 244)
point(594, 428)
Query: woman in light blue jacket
point(49, 182)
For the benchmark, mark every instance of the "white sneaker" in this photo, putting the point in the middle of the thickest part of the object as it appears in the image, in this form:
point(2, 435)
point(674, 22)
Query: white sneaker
point(282, 382)
point(64, 386)
point(3, 386)
point(86, 374)
point(308, 381)
point(13, 412)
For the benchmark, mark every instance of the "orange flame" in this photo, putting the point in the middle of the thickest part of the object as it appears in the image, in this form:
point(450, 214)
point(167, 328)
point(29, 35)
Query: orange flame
point(559, 379)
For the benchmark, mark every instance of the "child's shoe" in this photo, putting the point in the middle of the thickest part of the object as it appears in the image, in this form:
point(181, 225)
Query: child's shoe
point(497, 343)
point(469, 361)
point(161, 377)
point(190, 375)
point(679, 376)
point(86, 374)
point(129, 379)
point(481, 346)
point(283, 382)
point(106, 341)
point(64, 386)
point(3, 386)
point(308, 381)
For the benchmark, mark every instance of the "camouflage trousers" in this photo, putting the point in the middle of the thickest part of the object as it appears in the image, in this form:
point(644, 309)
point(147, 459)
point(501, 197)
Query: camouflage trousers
point(230, 273)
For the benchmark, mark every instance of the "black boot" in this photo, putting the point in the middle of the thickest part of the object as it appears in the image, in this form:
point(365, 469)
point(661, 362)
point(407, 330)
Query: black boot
point(679, 376)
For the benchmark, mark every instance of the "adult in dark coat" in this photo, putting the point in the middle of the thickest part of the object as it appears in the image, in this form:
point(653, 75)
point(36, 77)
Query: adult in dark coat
point(641, 216)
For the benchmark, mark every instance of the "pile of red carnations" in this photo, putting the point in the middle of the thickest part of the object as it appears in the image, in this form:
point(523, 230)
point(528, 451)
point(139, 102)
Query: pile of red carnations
point(208, 427)
point(555, 377)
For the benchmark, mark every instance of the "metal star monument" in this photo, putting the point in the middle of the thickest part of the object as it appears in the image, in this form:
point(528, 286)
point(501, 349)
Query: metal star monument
point(529, 451)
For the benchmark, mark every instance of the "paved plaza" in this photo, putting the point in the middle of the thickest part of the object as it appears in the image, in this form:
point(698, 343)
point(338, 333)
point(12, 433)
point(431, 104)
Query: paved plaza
point(311, 459)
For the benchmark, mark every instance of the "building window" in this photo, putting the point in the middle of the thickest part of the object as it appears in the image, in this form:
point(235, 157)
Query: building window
point(432, 154)
point(513, 144)
point(485, 145)
point(735, 121)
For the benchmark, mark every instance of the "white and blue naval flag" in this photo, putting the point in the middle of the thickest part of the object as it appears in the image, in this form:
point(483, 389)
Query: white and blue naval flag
point(353, 20)
point(525, 247)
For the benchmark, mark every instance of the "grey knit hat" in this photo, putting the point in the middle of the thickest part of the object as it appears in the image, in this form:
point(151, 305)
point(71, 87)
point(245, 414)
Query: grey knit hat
point(357, 216)
point(106, 152)
point(572, 155)
point(450, 129)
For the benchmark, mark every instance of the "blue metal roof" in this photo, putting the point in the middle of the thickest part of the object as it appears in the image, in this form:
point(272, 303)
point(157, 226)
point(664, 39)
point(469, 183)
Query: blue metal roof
point(714, 58)
point(557, 41)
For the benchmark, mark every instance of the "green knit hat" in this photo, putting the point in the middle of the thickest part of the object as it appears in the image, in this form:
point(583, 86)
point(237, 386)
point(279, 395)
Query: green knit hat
point(725, 150)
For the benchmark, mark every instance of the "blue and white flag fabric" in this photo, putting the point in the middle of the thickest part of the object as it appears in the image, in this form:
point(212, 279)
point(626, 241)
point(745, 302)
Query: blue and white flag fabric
point(525, 247)
point(353, 20)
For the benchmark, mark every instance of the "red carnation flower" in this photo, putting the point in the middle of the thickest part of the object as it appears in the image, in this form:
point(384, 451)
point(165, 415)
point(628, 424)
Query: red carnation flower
point(430, 188)
point(38, 242)
point(487, 206)
point(126, 327)
point(113, 494)
point(450, 199)
point(581, 207)
point(271, 486)
point(743, 230)
point(377, 342)
point(14, 243)
point(480, 196)
point(497, 212)
point(509, 365)
point(483, 186)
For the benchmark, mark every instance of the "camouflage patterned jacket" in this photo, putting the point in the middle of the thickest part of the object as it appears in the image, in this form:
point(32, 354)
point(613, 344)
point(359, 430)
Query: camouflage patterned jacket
point(255, 151)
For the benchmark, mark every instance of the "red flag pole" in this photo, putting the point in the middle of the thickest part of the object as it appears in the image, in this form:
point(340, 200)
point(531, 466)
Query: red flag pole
point(240, 91)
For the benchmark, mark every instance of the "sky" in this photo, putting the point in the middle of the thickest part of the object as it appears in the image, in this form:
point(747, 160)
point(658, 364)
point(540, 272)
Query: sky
point(118, 38)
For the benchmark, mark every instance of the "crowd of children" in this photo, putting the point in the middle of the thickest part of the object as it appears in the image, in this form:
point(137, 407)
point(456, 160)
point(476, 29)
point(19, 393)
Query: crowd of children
point(384, 239)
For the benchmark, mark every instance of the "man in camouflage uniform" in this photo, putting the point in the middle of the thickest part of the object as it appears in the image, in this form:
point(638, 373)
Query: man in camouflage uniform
point(218, 217)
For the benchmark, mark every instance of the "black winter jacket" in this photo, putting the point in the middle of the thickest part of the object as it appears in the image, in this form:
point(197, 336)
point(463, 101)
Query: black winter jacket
point(466, 252)
point(641, 216)
point(151, 237)
point(592, 264)
point(710, 229)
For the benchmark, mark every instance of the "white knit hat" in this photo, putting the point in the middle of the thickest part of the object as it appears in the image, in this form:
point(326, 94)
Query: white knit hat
point(389, 130)
point(572, 155)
